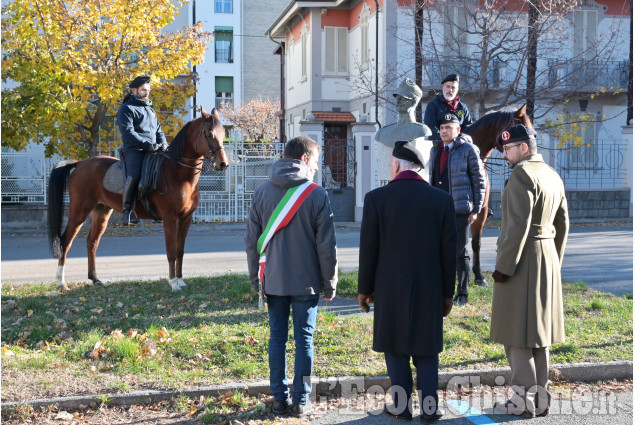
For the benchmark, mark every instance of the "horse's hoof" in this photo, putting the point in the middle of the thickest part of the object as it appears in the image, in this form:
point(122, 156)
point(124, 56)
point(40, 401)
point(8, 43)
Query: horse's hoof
point(98, 283)
point(175, 287)
point(182, 284)
point(63, 288)
point(481, 282)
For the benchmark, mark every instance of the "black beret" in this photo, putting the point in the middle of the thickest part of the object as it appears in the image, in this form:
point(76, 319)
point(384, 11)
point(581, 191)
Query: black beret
point(406, 150)
point(139, 81)
point(517, 133)
point(448, 118)
point(451, 77)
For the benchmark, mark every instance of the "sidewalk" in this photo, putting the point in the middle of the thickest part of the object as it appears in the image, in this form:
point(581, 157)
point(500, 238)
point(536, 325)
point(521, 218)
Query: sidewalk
point(343, 386)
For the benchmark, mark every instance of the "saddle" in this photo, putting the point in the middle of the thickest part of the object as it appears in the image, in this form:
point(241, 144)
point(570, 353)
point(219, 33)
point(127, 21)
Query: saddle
point(115, 178)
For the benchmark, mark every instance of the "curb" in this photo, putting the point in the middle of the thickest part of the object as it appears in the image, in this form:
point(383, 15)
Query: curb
point(580, 372)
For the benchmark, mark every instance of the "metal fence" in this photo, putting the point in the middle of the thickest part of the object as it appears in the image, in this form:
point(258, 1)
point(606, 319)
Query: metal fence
point(225, 196)
point(25, 177)
point(598, 166)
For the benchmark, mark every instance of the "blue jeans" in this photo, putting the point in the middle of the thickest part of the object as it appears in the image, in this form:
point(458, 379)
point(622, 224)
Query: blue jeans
point(304, 308)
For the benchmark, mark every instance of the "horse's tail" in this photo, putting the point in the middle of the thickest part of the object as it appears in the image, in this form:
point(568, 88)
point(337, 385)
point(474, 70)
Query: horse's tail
point(57, 187)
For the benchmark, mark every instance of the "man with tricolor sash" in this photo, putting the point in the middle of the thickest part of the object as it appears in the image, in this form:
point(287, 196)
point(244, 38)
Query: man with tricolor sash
point(292, 258)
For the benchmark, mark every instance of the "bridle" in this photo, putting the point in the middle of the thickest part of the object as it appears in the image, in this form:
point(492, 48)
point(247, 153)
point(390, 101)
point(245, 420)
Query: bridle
point(212, 149)
point(198, 166)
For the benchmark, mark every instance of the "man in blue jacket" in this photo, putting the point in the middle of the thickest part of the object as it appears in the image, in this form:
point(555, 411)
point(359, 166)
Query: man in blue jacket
point(447, 102)
point(457, 169)
point(141, 133)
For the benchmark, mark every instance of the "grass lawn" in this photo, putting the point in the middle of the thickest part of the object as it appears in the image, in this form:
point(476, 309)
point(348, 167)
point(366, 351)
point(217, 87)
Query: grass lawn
point(133, 335)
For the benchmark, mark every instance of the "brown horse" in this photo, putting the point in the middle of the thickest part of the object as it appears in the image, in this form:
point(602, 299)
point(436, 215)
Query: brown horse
point(174, 201)
point(484, 133)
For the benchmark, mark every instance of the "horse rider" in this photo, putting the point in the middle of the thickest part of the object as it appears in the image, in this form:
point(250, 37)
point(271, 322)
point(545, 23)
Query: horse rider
point(447, 102)
point(141, 133)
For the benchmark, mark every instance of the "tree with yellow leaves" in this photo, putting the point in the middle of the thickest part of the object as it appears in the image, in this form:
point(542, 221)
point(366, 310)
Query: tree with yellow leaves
point(70, 62)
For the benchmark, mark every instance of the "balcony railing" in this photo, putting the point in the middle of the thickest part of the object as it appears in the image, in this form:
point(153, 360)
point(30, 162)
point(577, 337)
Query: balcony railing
point(470, 75)
point(565, 75)
point(582, 75)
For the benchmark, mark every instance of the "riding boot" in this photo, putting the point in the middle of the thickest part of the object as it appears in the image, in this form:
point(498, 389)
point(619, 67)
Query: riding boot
point(129, 194)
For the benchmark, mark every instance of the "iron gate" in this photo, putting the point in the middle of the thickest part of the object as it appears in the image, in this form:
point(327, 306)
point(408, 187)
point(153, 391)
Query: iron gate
point(338, 175)
point(226, 195)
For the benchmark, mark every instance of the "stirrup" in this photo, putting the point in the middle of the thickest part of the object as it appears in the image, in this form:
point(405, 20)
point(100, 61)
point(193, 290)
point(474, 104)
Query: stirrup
point(127, 219)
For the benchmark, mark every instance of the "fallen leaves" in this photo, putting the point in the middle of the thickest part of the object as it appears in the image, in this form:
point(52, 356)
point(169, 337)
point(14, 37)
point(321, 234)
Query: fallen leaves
point(64, 416)
point(98, 351)
point(250, 340)
point(149, 347)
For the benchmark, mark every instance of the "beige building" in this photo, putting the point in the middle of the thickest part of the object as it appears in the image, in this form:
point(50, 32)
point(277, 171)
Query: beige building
point(261, 67)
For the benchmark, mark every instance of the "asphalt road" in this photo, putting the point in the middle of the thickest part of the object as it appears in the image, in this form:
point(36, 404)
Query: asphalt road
point(592, 408)
point(600, 256)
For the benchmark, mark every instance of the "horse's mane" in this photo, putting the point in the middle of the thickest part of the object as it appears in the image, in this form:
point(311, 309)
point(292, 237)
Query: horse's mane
point(492, 117)
point(175, 151)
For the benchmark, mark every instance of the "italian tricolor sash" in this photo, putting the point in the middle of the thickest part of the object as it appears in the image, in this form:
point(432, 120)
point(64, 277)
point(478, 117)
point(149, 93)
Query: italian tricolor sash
point(282, 215)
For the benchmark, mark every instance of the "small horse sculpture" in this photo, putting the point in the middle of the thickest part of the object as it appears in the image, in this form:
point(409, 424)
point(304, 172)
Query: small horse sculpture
point(174, 201)
point(484, 133)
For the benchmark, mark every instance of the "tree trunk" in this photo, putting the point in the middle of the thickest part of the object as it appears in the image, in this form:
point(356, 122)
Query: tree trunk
point(98, 121)
point(418, 54)
point(532, 57)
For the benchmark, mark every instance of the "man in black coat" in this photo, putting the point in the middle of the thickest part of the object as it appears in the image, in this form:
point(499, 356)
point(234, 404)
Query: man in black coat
point(407, 263)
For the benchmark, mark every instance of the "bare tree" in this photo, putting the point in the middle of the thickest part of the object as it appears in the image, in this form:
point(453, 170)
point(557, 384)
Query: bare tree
point(507, 52)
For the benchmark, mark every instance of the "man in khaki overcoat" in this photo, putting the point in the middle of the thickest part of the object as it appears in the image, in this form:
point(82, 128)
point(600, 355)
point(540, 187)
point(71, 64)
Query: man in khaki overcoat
point(527, 312)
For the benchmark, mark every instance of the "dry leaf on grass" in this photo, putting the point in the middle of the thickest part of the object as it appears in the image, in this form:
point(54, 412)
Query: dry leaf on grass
point(64, 416)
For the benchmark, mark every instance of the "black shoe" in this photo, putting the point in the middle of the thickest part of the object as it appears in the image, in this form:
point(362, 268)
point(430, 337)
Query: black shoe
point(390, 410)
point(281, 407)
point(433, 417)
point(300, 410)
point(461, 300)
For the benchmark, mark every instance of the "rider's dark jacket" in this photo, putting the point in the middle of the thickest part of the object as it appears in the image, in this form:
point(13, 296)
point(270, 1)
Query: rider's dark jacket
point(139, 126)
point(437, 108)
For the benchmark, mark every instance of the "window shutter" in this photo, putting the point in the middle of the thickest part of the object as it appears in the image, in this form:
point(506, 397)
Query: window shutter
point(224, 84)
point(342, 50)
point(591, 33)
point(578, 29)
point(329, 50)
